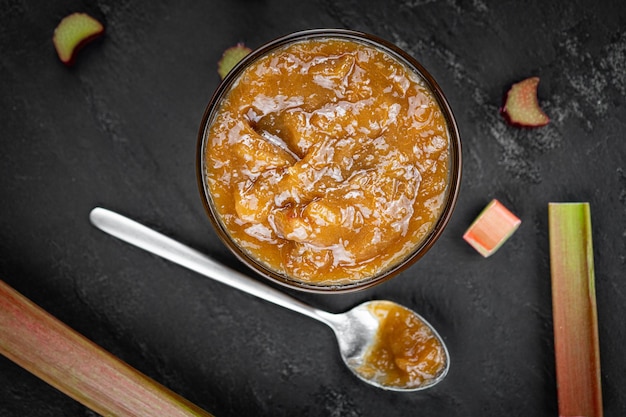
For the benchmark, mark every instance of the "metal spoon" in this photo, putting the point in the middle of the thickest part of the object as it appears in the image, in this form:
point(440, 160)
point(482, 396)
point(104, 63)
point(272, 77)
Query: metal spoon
point(356, 329)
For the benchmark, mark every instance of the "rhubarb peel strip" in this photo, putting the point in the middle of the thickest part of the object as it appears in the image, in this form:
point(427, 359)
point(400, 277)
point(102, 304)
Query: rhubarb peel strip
point(575, 318)
point(52, 351)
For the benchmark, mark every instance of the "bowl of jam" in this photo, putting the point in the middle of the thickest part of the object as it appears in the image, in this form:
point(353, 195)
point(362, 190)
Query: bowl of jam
point(329, 160)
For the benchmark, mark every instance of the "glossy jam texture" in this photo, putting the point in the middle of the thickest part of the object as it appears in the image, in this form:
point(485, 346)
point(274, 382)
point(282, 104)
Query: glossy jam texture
point(405, 354)
point(328, 161)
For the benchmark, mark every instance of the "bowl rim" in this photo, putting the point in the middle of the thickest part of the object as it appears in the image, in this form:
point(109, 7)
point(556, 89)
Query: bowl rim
point(454, 146)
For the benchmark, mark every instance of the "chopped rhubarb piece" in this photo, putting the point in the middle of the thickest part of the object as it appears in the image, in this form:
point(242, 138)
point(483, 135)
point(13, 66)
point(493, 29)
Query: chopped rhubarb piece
point(231, 57)
point(521, 107)
point(493, 226)
point(72, 33)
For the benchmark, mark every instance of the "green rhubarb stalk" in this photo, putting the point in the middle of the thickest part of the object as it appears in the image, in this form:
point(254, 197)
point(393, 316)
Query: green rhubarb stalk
point(49, 349)
point(575, 318)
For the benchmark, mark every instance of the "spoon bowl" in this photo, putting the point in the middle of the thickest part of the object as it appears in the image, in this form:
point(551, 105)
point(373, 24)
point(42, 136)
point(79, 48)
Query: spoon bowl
point(361, 334)
point(359, 331)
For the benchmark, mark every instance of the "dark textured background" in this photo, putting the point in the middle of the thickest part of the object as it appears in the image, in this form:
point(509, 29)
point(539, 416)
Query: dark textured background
point(119, 130)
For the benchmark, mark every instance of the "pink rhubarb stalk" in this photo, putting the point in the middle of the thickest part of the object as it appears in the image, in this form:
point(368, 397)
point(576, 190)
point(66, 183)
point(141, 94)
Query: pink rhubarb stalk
point(49, 349)
point(575, 317)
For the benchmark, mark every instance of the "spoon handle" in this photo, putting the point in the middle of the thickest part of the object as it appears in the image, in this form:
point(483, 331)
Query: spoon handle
point(152, 241)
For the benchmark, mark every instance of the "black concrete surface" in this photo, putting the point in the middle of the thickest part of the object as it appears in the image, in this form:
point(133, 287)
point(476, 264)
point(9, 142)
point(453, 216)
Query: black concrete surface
point(119, 130)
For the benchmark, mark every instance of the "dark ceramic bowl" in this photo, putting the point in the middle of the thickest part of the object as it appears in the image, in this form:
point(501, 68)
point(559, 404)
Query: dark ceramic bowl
point(454, 172)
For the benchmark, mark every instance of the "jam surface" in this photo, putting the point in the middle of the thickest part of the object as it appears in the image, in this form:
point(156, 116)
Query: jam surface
point(328, 161)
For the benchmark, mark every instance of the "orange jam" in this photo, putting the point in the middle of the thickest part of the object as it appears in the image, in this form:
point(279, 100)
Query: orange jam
point(328, 161)
point(406, 353)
